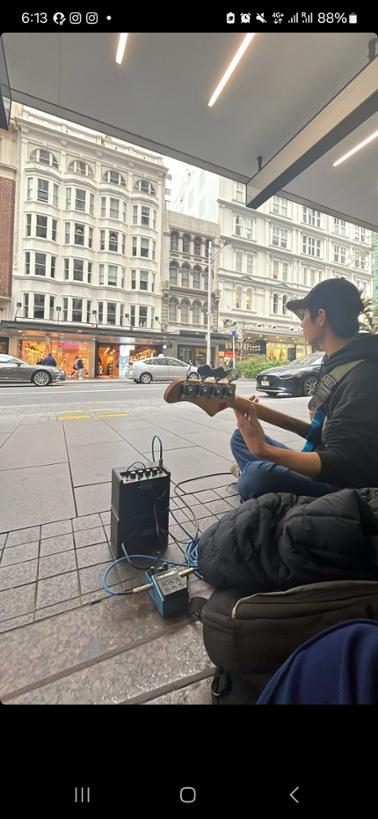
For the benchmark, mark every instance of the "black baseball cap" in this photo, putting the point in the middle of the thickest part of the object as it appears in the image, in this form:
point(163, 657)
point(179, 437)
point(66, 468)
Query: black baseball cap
point(337, 296)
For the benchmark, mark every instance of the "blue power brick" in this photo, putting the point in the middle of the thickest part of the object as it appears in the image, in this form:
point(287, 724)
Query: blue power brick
point(169, 592)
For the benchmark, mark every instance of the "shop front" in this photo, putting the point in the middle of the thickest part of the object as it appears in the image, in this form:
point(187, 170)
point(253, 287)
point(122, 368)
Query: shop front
point(279, 351)
point(195, 354)
point(113, 360)
point(226, 358)
point(64, 351)
point(4, 346)
point(107, 360)
point(141, 351)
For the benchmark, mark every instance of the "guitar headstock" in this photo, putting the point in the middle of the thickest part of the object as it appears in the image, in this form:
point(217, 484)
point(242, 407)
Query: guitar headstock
point(211, 396)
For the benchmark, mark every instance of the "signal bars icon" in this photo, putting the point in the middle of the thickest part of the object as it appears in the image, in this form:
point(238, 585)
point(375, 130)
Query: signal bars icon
point(305, 18)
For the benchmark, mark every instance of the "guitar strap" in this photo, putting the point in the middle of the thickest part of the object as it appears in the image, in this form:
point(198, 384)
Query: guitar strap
point(328, 383)
point(321, 395)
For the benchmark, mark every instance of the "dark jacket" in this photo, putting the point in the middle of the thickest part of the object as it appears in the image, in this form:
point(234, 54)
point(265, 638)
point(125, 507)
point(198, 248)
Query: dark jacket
point(279, 541)
point(49, 361)
point(349, 447)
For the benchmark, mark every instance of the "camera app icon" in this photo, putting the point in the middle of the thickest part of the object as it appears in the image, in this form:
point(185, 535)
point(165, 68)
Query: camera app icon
point(92, 18)
point(75, 18)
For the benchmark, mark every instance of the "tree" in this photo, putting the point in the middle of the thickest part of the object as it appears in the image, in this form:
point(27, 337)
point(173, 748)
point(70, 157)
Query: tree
point(368, 319)
point(246, 334)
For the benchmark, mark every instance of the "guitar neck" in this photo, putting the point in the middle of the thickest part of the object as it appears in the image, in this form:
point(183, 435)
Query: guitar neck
point(278, 419)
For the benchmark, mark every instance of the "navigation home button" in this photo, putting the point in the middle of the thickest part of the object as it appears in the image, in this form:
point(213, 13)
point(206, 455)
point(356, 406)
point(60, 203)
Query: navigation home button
point(188, 795)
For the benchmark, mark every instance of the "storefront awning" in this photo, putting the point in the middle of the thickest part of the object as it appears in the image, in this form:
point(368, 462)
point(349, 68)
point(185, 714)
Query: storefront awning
point(296, 102)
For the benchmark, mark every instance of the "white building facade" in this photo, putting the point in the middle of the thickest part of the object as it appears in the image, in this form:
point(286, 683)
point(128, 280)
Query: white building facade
point(277, 253)
point(196, 194)
point(187, 242)
point(273, 254)
point(89, 215)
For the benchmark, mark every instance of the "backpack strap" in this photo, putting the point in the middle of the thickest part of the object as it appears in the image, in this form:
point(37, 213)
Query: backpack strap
point(195, 607)
point(221, 686)
point(328, 383)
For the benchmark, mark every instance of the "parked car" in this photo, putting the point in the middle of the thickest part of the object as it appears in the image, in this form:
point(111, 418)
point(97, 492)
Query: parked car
point(15, 371)
point(159, 368)
point(300, 377)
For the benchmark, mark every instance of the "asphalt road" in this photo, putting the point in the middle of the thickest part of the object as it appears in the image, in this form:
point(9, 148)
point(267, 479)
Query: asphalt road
point(97, 393)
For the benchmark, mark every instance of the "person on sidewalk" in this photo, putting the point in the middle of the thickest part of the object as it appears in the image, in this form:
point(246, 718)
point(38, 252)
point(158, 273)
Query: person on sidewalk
point(346, 454)
point(49, 361)
point(79, 367)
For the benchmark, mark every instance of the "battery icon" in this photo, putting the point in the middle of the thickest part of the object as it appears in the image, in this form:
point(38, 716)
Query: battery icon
point(353, 18)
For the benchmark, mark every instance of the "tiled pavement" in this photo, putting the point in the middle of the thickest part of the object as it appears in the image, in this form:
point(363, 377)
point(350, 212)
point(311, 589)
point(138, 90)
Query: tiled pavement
point(63, 639)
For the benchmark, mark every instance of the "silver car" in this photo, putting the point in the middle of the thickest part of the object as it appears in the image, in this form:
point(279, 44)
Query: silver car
point(159, 369)
point(15, 371)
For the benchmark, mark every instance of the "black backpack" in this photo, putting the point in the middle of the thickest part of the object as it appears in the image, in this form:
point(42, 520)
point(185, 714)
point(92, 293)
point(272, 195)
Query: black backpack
point(249, 637)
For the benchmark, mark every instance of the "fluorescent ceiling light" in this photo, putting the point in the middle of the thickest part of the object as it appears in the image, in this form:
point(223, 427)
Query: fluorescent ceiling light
point(121, 48)
point(231, 68)
point(356, 148)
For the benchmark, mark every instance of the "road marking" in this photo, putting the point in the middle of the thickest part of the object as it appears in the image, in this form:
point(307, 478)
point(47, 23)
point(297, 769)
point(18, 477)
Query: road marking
point(111, 414)
point(73, 417)
point(74, 392)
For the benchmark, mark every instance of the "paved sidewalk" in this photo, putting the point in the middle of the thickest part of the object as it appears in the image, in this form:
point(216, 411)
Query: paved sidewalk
point(63, 639)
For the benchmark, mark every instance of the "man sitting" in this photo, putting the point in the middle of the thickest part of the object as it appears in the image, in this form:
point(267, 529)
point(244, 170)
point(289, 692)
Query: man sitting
point(347, 453)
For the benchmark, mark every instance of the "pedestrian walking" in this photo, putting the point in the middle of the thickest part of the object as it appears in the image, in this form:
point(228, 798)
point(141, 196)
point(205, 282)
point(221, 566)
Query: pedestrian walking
point(49, 361)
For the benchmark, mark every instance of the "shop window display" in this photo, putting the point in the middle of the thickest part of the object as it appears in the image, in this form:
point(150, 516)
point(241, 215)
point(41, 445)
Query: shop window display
point(64, 352)
point(108, 360)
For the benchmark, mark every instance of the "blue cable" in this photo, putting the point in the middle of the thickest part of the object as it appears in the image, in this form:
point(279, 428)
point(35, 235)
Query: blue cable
point(190, 554)
point(132, 557)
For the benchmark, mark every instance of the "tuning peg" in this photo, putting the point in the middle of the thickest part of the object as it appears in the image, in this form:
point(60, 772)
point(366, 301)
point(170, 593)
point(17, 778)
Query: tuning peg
point(205, 371)
point(219, 373)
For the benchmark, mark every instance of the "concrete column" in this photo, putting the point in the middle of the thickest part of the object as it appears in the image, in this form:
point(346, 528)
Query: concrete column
point(92, 359)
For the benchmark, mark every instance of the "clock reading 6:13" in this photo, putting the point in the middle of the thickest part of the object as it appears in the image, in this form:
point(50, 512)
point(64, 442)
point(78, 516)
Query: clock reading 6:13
point(34, 17)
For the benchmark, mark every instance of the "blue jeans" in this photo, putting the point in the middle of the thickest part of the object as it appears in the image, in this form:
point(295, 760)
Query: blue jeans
point(259, 477)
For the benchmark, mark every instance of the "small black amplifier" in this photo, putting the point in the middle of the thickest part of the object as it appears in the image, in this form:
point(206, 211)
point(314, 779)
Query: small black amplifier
point(140, 510)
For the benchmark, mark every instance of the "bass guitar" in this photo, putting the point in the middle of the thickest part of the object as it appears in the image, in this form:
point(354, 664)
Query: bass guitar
point(215, 396)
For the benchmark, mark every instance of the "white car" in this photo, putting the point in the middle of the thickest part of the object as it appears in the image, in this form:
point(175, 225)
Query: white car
point(160, 368)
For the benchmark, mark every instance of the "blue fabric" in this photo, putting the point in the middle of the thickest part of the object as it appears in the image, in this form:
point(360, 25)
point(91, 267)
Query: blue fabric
point(259, 477)
point(49, 361)
point(337, 667)
point(315, 433)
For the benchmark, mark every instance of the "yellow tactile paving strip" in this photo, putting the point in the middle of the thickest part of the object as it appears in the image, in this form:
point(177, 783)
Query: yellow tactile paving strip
point(78, 415)
point(73, 417)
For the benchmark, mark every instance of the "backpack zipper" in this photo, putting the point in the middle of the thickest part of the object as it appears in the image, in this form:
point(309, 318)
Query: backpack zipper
point(292, 591)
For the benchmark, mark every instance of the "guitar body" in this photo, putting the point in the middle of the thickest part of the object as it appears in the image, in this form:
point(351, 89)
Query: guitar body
point(215, 396)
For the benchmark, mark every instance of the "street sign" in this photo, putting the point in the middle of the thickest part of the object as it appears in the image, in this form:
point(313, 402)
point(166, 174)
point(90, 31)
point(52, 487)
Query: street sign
point(234, 333)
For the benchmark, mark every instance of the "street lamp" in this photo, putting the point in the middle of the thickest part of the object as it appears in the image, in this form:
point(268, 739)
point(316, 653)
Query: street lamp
point(127, 316)
point(58, 309)
point(18, 305)
point(94, 313)
point(210, 259)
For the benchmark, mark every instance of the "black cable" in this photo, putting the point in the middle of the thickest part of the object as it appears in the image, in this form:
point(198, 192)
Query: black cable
point(182, 496)
point(134, 464)
point(156, 438)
